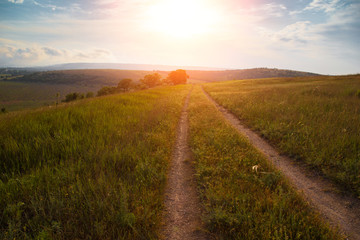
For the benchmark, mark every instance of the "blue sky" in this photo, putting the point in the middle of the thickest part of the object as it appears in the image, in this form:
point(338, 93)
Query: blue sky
point(311, 35)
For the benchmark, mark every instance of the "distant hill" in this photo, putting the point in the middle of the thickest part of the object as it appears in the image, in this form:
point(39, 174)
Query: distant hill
point(111, 77)
point(121, 66)
point(85, 77)
point(212, 76)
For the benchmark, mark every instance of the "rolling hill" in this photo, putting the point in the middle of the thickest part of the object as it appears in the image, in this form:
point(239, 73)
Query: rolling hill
point(85, 77)
point(213, 76)
point(110, 77)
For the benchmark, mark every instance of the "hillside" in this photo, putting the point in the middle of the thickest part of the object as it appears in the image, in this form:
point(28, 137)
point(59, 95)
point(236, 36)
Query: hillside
point(16, 96)
point(97, 169)
point(90, 169)
point(25, 89)
point(315, 120)
point(213, 76)
point(86, 77)
point(100, 77)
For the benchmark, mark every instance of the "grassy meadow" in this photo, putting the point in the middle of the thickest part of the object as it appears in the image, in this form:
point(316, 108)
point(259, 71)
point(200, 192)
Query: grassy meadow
point(85, 77)
point(96, 168)
point(39, 89)
point(92, 169)
point(16, 96)
point(239, 202)
point(314, 119)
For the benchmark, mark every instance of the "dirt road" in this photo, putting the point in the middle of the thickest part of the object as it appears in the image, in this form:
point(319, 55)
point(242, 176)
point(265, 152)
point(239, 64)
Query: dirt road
point(337, 209)
point(182, 205)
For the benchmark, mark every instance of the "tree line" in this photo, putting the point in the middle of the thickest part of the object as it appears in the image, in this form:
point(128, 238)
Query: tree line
point(148, 81)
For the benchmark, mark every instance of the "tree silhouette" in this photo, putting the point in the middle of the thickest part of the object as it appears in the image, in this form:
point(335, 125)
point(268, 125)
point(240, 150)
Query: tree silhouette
point(106, 91)
point(73, 96)
point(124, 84)
point(177, 77)
point(151, 80)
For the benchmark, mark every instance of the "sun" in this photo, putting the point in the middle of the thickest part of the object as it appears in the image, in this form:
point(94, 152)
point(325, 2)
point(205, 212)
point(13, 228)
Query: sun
point(181, 18)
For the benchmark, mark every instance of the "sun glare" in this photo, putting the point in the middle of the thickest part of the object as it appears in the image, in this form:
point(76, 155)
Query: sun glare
point(181, 18)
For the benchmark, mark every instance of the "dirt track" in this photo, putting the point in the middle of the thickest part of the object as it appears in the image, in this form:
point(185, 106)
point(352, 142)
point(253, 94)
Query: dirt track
point(182, 205)
point(338, 210)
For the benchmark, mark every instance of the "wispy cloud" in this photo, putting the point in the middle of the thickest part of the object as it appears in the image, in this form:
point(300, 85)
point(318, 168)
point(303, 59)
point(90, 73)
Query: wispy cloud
point(53, 52)
point(274, 9)
point(10, 55)
point(52, 6)
point(16, 1)
point(296, 35)
point(336, 29)
point(323, 5)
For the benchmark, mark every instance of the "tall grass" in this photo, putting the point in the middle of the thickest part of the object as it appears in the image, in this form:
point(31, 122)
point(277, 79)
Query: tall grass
point(316, 119)
point(241, 203)
point(94, 169)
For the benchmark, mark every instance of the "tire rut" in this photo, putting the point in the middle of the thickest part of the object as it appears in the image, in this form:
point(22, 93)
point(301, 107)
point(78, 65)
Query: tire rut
point(339, 210)
point(182, 205)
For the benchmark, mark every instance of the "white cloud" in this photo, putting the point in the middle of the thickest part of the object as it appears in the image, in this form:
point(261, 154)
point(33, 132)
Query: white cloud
point(326, 6)
point(53, 7)
point(22, 56)
point(323, 5)
point(345, 15)
point(341, 27)
point(16, 1)
point(297, 34)
point(274, 9)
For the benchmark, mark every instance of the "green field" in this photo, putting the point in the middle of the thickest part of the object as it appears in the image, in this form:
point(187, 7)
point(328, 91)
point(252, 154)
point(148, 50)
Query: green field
point(26, 90)
point(39, 89)
point(84, 77)
point(17, 95)
point(94, 169)
point(240, 203)
point(315, 119)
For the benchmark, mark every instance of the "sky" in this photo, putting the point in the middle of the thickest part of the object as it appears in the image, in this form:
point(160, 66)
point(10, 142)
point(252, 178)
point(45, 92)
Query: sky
point(321, 36)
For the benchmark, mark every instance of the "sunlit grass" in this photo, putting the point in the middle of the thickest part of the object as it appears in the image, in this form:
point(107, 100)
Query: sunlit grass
point(315, 119)
point(243, 201)
point(94, 169)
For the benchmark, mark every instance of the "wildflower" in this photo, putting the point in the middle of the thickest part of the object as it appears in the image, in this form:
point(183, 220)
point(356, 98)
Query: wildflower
point(255, 168)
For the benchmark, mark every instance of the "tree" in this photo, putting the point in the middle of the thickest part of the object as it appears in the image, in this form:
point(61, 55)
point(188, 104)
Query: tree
point(106, 91)
point(177, 77)
point(124, 84)
point(73, 96)
point(151, 80)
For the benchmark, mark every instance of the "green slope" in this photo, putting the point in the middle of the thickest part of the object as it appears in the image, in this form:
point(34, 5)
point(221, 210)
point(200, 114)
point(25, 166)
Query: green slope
point(313, 119)
point(94, 169)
